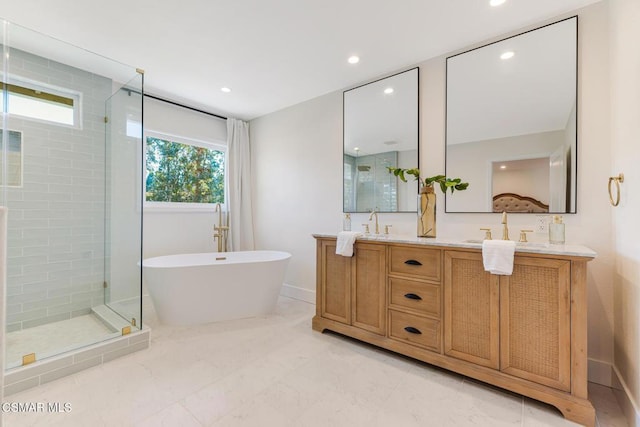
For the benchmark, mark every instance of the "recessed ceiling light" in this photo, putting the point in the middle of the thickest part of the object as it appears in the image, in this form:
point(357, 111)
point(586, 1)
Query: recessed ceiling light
point(388, 90)
point(353, 59)
point(495, 3)
point(225, 89)
point(507, 55)
point(503, 166)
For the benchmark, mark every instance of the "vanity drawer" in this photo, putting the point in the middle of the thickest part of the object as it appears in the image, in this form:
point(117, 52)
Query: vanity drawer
point(420, 296)
point(416, 330)
point(419, 262)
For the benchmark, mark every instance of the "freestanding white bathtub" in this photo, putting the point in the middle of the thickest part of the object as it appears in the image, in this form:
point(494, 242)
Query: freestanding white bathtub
point(190, 289)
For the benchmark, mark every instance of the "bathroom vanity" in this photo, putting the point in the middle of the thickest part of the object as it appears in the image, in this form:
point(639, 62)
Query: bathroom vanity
point(431, 299)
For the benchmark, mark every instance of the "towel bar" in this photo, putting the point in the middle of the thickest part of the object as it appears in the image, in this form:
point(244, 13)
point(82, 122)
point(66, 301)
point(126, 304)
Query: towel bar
point(617, 179)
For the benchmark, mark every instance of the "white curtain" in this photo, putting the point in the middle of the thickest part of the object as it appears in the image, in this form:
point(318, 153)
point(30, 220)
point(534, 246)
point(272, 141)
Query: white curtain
point(240, 234)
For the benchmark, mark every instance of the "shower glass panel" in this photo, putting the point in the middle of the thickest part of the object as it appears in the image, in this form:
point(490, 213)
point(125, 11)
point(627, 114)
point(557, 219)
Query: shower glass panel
point(123, 228)
point(70, 177)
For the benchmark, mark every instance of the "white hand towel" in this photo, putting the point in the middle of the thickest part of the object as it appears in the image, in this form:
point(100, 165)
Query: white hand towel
point(497, 256)
point(344, 245)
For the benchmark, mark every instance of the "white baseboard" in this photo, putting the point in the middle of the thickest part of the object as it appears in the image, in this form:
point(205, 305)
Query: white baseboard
point(600, 372)
point(301, 294)
point(625, 399)
point(606, 374)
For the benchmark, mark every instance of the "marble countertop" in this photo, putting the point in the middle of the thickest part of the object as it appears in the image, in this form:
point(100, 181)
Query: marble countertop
point(529, 247)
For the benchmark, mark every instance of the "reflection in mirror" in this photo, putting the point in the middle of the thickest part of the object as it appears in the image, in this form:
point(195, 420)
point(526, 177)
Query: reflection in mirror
point(380, 131)
point(511, 123)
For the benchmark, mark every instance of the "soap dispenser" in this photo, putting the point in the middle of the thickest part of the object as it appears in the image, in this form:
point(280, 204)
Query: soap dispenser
point(346, 222)
point(556, 231)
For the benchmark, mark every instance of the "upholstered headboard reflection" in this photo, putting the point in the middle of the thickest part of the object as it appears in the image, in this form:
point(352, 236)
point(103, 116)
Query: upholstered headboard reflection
point(511, 202)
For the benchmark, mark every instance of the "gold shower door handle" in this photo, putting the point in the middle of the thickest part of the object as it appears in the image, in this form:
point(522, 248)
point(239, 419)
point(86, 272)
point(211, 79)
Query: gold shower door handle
point(617, 179)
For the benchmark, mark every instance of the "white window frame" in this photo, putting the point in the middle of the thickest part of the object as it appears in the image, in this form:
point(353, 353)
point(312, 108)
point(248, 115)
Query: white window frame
point(54, 90)
point(178, 206)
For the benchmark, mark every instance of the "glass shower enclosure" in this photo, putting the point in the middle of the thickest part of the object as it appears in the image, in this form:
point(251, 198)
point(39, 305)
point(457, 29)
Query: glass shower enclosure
point(70, 176)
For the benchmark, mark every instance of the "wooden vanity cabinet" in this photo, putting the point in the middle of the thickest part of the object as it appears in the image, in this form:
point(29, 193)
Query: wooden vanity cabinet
point(351, 290)
point(535, 321)
point(519, 324)
point(414, 295)
point(334, 283)
point(526, 332)
point(471, 305)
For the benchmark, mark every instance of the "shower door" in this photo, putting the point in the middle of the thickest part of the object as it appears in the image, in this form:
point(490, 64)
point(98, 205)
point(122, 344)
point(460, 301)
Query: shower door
point(123, 195)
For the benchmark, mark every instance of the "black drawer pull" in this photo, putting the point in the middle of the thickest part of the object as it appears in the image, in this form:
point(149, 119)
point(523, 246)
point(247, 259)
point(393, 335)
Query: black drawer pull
point(413, 330)
point(413, 296)
point(412, 262)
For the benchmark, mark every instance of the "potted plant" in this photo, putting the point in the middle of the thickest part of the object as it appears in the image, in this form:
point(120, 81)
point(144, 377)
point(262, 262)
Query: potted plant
point(427, 196)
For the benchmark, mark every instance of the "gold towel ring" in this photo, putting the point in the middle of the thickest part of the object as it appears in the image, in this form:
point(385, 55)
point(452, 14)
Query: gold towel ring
point(617, 179)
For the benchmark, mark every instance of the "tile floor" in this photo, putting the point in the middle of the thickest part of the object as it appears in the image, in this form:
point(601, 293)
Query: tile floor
point(276, 371)
point(52, 338)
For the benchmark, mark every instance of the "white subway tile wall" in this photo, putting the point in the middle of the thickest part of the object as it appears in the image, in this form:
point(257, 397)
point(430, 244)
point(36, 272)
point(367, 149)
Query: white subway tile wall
point(56, 233)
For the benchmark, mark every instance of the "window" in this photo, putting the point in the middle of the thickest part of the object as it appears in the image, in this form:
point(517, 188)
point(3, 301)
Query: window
point(14, 158)
point(44, 103)
point(184, 172)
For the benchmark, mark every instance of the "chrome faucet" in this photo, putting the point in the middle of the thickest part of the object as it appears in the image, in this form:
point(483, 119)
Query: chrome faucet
point(220, 230)
point(505, 229)
point(374, 213)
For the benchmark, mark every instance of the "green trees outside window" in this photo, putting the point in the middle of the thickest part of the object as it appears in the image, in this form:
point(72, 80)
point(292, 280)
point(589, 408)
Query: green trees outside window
point(183, 173)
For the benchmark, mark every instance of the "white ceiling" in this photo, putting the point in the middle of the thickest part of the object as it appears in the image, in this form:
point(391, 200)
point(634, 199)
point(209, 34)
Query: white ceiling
point(272, 53)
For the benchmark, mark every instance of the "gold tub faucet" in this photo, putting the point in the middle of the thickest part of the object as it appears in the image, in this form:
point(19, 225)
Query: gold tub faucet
point(220, 231)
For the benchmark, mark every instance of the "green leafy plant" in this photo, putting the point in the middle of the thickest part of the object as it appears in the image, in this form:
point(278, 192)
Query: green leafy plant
point(445, 183)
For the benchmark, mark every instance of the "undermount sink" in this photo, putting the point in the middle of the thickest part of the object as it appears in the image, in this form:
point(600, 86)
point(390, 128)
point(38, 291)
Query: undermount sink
point(532, 245)
point(518, 244)
point(372, 236)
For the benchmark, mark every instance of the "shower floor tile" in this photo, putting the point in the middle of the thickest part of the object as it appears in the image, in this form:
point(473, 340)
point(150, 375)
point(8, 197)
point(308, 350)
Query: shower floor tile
point(54, 338)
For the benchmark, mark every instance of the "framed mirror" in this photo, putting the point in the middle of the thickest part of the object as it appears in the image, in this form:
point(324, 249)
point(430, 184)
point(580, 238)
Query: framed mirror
point(511, 126)
point(380, 131)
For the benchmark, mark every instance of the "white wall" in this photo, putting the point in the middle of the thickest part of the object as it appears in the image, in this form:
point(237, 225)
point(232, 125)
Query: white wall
point(594, 156)
point(297, 154)
point(625, 137)
point(303, 194)
point(173, 232)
